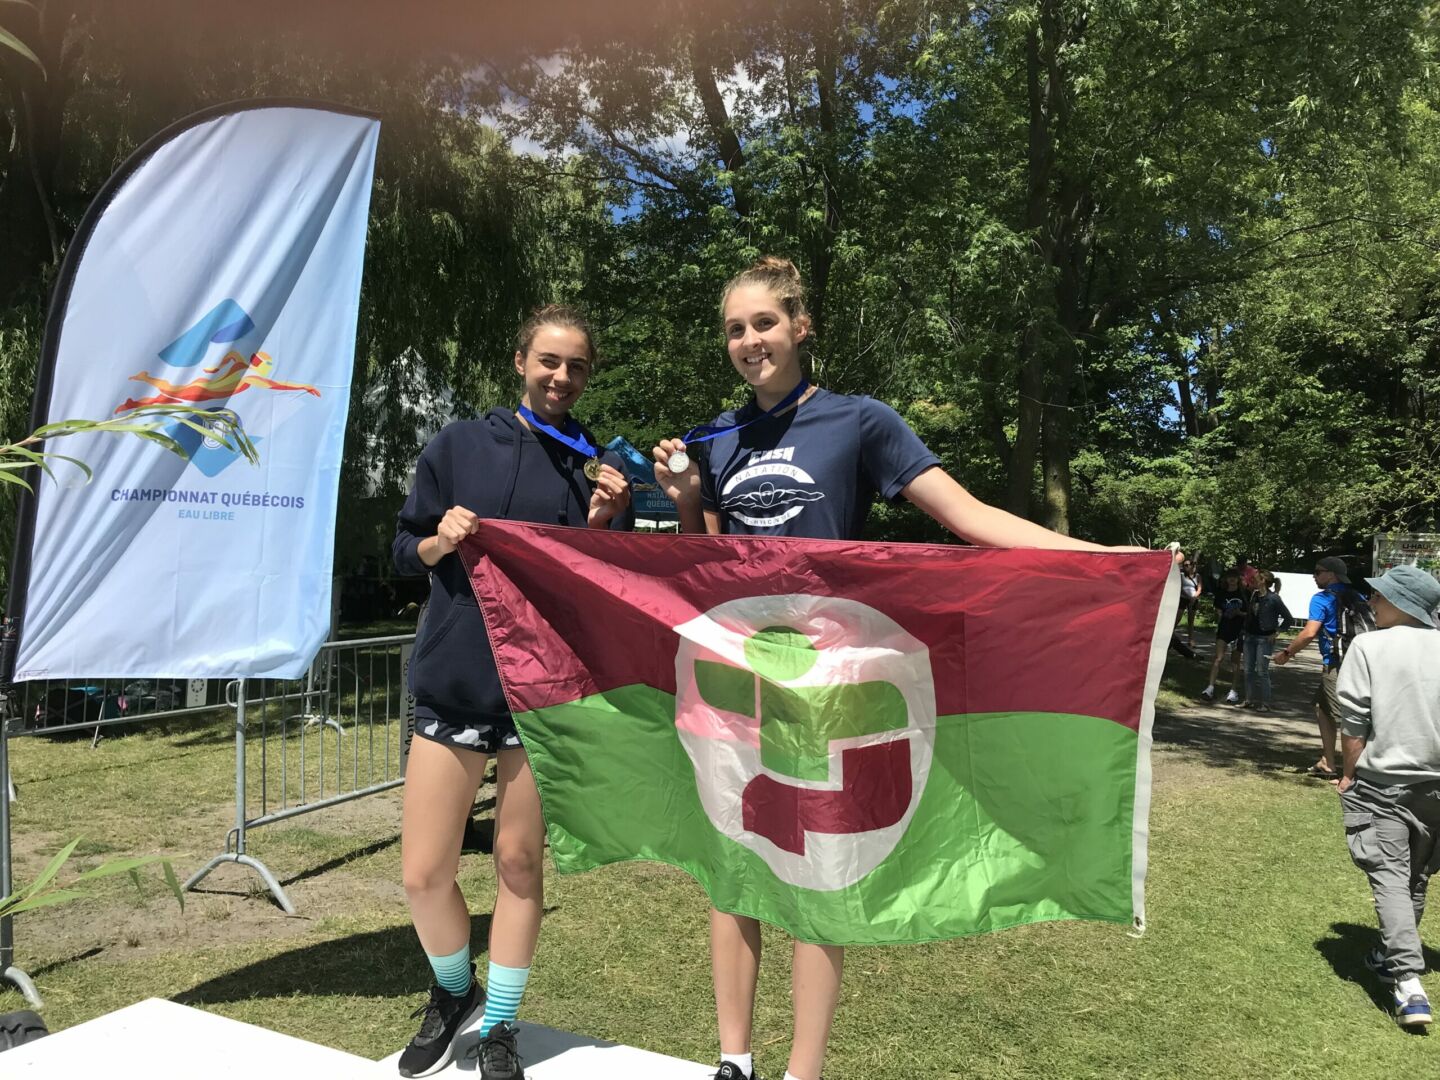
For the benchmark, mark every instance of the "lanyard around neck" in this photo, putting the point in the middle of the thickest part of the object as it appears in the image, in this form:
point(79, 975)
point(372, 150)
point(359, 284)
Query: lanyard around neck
point(704, 433)
point(572, 436)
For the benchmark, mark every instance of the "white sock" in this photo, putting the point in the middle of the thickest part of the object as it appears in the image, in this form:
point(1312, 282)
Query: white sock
point(744, 1062)
point(790, 1076)
point(1210, 689)
point(1407, 987)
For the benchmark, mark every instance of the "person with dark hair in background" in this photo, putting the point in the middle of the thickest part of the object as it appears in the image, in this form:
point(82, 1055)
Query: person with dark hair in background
point(1333, 578)
point(1190, 592)
point(1229, 600)
point(1265, 614)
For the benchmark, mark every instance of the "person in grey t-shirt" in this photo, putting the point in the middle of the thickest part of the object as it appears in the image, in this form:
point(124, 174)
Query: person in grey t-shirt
point(1389, 703)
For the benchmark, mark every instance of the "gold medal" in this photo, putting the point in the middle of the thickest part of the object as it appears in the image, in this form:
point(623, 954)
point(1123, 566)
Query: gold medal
point(592, 469)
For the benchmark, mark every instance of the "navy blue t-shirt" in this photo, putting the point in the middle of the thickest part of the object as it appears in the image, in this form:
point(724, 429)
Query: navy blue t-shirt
point(813, 471)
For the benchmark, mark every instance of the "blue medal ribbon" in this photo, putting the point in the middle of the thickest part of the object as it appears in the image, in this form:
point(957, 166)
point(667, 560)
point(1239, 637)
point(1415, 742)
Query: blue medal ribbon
point(705, 433)
point(572, 436)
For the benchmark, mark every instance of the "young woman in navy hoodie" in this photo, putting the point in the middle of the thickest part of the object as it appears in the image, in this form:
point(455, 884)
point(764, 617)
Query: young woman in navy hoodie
point(523, 465)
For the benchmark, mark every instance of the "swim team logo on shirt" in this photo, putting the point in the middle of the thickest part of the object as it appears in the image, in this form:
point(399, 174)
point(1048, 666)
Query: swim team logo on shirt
point(770, 502)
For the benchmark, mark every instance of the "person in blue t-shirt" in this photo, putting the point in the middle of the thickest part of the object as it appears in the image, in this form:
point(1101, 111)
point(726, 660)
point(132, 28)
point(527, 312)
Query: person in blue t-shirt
point(1323, 622)
point(808, 462)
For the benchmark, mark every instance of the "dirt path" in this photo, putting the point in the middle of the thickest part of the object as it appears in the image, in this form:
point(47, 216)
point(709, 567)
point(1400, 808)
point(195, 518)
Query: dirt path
point(1214, 734)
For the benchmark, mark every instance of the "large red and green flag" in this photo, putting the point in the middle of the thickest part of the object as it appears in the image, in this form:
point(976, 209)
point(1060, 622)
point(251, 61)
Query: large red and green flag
point(860, 743)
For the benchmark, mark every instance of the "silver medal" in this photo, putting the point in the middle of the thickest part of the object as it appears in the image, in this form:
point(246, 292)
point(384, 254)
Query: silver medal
point(679, 461)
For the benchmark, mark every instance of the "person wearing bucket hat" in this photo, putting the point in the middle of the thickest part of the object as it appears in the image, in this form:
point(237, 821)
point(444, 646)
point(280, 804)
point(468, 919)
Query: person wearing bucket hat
point(1410, 590)
point(1335, 598)
point(1389, 698)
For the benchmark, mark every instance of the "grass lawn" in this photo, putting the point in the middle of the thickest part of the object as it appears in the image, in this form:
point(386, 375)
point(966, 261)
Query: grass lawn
point(1251, 965)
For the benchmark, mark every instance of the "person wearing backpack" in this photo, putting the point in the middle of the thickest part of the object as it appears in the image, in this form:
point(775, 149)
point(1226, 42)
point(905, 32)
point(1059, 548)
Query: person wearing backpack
point(1337, 613)
point(1265, 613)
point(1389, 695)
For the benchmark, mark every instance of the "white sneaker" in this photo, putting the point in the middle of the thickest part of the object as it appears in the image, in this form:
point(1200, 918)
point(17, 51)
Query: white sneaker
point(1412, 1007)
point(1231, 698)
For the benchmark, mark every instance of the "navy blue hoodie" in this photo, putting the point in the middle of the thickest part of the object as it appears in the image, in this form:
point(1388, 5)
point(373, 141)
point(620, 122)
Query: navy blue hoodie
point(497, 468)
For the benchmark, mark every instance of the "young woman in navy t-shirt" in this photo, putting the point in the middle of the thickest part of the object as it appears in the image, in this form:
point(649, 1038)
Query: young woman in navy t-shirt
point(813, 468)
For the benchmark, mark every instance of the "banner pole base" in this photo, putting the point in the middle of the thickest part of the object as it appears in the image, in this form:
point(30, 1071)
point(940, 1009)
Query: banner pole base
point(244, 860)
point(24, 984)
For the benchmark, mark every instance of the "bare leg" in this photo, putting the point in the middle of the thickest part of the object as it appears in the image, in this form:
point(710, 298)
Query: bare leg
point(815, 988)
point(440, 785)
point(519, 855)
point(1220, 648)
point(1327, 739)
point(734, 966)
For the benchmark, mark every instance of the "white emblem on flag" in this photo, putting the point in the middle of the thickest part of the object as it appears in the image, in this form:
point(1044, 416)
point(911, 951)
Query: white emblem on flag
point(810, 722)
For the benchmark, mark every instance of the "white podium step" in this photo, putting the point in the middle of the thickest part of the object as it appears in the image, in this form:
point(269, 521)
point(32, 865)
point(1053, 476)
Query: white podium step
point(160, 1040)
point(549, 1054)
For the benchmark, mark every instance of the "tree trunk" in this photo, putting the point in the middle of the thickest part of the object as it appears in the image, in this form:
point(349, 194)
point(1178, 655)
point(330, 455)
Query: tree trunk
point(722, 131)
point(823, 250)
point(1033, 347)
point(1024, 450)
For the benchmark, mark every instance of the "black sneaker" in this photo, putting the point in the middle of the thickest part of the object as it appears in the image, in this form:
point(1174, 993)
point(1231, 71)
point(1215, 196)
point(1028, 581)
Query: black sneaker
point(498, 1057)
point(730, 1071)
point(442, 1018)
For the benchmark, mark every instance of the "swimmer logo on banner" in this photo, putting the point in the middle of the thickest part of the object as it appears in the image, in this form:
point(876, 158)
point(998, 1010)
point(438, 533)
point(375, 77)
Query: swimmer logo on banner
point(861, 743)
point(219, 268)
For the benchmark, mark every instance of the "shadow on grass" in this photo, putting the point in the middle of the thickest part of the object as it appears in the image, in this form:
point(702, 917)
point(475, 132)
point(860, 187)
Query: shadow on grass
point(1345, 952)
point(385, 963)
point(91, 765)
point(1283, 740)
point(342, 860)
point(212, 735)
point(1233, 745)
point(381, 963)
point(55, 965)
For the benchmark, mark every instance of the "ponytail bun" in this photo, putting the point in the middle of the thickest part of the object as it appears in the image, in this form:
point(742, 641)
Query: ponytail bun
point(780, 277)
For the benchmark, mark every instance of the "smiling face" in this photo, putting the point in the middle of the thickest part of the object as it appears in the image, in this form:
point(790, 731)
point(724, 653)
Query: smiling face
point(763, 341)
point(555, 368)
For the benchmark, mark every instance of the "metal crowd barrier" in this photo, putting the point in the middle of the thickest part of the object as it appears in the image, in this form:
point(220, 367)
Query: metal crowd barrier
point(301, 745)
point(58, 706)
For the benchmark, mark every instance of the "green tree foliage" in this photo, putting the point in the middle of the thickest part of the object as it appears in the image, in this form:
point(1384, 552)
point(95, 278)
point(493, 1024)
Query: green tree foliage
point(1142, 269)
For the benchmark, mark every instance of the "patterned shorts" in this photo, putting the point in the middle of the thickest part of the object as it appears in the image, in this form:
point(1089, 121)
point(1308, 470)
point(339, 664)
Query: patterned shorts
point(482, 738)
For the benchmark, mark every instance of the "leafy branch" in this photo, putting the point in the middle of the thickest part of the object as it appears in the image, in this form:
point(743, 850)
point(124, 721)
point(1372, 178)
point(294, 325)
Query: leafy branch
point(45, 891)
point(222, 425)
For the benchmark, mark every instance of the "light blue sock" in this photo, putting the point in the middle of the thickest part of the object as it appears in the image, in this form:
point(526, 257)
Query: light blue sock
point(452, 972)
point(504, 987)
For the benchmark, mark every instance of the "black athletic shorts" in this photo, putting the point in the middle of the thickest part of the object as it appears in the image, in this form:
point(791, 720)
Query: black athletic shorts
point(483, 738)
point(1231, 633)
